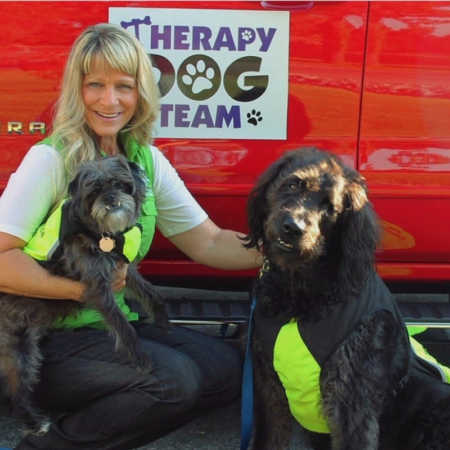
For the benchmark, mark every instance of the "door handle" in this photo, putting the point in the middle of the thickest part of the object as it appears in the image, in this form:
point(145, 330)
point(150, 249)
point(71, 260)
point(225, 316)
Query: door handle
point(287, 5)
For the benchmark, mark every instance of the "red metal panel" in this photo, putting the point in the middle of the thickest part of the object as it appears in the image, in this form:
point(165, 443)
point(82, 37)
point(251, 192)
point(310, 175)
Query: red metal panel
point(405, 134)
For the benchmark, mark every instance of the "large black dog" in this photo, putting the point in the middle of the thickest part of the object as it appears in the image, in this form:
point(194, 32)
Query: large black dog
point(330, 347)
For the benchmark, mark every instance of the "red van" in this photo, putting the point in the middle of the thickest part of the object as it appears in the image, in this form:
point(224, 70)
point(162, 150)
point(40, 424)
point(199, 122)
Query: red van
point(243, 82)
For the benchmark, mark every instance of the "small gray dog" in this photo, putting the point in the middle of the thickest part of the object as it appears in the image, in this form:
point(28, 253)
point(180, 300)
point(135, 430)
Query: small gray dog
point(105, 200)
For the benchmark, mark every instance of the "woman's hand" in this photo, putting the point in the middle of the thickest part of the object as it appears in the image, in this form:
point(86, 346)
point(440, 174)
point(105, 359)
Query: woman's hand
point(120, 277)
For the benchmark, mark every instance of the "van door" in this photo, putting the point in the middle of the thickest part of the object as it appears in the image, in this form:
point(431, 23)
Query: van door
point(405, 135)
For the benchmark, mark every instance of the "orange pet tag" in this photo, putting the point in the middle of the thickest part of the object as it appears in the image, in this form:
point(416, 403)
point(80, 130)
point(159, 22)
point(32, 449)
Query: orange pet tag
point(106, 244)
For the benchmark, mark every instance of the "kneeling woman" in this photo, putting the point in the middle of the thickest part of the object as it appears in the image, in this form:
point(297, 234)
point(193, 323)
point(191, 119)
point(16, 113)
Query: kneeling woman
point(108, 105)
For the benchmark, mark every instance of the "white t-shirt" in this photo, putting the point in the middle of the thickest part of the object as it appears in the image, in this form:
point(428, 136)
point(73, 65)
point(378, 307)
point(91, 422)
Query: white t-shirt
point(38, 182)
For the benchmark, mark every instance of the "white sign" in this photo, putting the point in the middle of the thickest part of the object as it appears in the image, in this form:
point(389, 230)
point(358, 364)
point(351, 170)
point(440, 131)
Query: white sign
point(222, 73)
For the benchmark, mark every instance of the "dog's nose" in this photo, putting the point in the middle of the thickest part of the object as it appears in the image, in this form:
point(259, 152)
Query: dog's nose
point(112, 200)
point(292, 226)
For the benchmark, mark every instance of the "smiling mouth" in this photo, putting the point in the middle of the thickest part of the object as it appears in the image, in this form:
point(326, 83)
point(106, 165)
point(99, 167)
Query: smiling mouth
point(108, 116)
point(284, 245)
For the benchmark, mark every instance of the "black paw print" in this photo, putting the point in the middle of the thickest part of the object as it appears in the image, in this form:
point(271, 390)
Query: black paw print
point(254, 117)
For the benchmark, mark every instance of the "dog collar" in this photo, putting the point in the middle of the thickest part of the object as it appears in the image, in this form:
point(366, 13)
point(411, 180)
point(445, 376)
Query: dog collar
point(264, 268)
point(126, 243)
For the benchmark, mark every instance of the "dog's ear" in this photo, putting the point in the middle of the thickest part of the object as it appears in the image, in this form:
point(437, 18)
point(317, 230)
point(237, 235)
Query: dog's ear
point(74, 185)
point(86, 175)
point(355, 192)
point(257, 208)
point(359, 234)
point(77, 193)
point(256, 213)
point(140, 180)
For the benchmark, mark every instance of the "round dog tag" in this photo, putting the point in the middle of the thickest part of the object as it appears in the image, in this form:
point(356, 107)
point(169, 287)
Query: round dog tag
point(106, 244)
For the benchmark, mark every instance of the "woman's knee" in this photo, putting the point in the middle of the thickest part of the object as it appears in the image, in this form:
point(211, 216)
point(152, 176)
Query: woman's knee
point(223, 375)
point(177, 381)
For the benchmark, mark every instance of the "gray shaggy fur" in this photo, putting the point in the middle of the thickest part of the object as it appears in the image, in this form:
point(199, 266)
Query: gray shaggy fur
point(310, 216)
point(105, 198)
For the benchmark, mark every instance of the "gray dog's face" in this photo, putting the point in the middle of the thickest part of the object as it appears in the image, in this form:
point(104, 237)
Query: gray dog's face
point(306, 199)
point(108, 194)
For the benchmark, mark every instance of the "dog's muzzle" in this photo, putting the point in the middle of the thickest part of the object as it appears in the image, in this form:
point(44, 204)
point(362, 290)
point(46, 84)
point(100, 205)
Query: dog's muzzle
point(291, 230)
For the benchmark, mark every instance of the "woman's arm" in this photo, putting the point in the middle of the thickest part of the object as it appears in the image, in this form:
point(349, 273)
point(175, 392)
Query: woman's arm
point(22, 275)
point(182, 220)
point(215, 247)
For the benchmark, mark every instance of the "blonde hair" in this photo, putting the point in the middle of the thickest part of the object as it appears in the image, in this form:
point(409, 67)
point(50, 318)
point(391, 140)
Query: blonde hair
point(119, 51)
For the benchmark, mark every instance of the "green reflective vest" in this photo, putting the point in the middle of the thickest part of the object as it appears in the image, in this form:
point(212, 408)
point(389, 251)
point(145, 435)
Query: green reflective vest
point(137, 242)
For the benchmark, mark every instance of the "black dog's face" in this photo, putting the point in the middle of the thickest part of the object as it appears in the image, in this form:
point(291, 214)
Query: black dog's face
point(109, 194)
point(303, 201)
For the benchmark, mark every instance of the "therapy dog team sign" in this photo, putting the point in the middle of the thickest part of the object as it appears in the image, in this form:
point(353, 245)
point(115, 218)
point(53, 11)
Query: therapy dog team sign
point(221, 73)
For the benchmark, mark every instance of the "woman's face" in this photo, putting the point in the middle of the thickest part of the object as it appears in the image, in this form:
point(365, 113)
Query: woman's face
point(110, 98)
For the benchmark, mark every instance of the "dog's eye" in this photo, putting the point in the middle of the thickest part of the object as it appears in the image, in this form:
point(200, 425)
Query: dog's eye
point(326, 204)
point(124, 187)
point(296, 185)
point(96, 187)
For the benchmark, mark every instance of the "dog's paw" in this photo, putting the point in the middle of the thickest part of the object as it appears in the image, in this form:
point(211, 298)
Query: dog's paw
point(39, 426)
point(44, 426)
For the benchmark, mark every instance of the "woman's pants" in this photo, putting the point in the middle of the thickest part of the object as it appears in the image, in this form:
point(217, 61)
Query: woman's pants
point(99, 400)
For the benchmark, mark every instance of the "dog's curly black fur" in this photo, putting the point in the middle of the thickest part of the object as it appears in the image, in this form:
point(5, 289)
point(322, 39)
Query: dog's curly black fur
point(105, 199)
point(310, 216)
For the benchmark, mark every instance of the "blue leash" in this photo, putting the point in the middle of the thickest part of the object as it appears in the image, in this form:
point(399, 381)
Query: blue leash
point(247, 386)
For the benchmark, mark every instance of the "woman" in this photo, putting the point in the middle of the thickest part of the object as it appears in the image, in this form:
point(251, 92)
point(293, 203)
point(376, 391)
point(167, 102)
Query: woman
point(108, 105)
